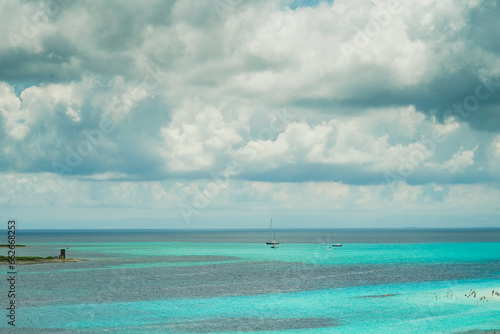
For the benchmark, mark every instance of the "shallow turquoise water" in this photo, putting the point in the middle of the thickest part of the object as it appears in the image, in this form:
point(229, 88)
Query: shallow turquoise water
point(308, 253)
point(207, 287)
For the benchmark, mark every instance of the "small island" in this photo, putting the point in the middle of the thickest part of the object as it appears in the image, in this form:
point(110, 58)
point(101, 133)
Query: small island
point(20, 260)
point(38, 259)
point(8, 246)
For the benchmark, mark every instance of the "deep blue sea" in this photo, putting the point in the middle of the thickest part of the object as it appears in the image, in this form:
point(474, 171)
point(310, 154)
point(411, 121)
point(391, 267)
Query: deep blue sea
point(227, 281)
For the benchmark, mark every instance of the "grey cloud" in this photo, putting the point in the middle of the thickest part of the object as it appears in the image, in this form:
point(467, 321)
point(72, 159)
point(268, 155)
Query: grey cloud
point(482, 26)
point(112, 41)
point(46, 67)
point(118, 25)
point(360, 175)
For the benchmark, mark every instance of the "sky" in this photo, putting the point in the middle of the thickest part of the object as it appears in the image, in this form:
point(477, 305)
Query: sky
point(222, 114)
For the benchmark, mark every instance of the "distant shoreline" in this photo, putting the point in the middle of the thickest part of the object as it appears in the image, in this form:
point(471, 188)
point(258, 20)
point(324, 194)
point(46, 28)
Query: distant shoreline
point(7, 246)
point(26, 262)
point(36, 259)
point(256, 229)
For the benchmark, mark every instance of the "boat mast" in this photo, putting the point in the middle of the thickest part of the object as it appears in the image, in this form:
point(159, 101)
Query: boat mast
point(272, 232)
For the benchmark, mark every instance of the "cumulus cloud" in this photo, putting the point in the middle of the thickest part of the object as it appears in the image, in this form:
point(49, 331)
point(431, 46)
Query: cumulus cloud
point(371, 88)
point(458, 162)
point(14, 117)
point(197, 136)
point(248, 55)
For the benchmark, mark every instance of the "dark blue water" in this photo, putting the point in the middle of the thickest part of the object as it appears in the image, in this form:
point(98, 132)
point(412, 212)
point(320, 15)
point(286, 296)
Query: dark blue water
point(258, 236)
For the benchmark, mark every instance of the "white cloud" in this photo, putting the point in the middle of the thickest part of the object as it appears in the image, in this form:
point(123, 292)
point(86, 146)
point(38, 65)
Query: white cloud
point(494, 153)
point(458, 162)
point(10, 109)
point(48, 100)
point(222, 76)
point(196, 136)
point(361, 140)
point(322, 200)
point(122, 99)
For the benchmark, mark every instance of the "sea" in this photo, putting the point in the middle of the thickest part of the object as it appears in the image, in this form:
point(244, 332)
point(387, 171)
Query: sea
point(229, 281)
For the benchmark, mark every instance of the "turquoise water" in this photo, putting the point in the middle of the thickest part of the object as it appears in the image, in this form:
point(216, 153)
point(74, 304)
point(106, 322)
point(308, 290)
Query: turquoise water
point(228, 287)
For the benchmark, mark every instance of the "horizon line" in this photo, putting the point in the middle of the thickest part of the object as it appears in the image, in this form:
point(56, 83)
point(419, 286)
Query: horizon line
point(280, 228)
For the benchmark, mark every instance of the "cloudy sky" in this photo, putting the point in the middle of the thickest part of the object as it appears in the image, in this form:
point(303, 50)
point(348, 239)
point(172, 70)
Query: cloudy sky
point(224, 113)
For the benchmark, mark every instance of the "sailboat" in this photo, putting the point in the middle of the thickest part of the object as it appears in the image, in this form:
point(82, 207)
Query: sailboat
point(273, 242)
